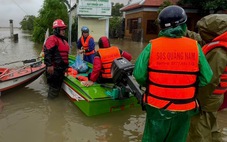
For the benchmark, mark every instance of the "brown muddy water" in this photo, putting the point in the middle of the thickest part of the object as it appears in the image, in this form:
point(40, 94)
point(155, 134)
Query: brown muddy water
point(28, 116)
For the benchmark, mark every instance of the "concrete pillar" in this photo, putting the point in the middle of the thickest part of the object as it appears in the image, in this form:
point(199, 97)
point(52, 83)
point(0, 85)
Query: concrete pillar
point(15, 38)
point(11, 27)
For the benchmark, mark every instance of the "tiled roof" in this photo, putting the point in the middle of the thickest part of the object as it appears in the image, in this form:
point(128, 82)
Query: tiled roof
point(146, 3)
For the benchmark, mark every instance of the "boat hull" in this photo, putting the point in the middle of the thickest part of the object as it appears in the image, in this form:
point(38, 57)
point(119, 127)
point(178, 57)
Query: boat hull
point(94, 100)
point(99, 106)
point(20, 78)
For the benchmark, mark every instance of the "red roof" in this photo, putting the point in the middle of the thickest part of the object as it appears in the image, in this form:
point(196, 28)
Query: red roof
point(146, 3)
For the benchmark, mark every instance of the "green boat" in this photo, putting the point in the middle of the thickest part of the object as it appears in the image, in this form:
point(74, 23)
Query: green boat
point(102, 98)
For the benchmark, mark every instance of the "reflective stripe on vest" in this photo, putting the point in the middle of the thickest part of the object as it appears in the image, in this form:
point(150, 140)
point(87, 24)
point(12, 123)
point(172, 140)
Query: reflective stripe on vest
point(89, 52)
point(85, 44)
point(173, 68)
point(222, 87)
point(107, 57)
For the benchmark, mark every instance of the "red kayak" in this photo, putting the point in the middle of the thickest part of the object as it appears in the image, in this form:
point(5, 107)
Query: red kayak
point(11, 78)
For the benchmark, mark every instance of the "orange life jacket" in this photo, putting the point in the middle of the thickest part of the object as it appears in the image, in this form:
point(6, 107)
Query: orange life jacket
point(71, 71)
point(63, 48)
point(85, 44)
point(107, 56)
point(173, 68)
point(222, 87)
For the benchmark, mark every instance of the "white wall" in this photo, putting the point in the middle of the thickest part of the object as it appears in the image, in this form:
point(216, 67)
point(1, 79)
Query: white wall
point(97, 26)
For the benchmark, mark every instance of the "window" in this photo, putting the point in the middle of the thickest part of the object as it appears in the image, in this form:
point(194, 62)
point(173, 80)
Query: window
point(152, 27)
point(132, 24)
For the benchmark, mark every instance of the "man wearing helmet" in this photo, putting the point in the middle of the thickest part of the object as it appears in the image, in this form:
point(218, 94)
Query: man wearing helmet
point(86, 45)
point(171, 68)
point(56, 50)
point(103, 60)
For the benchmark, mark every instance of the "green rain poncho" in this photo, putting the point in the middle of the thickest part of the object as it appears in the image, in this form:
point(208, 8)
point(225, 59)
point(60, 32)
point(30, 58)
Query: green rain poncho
point(163, 125)
point(204, 126)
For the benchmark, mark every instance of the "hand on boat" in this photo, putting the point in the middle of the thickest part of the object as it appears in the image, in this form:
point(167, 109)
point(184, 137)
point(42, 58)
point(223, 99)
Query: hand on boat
point(87, 83)
point(81, 51)
point(50, 70)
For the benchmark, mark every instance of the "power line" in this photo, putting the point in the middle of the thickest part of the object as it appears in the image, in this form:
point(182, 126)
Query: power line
point(28, 14)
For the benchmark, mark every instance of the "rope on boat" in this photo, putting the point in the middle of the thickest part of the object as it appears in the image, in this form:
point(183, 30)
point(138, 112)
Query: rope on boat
point(23, 61)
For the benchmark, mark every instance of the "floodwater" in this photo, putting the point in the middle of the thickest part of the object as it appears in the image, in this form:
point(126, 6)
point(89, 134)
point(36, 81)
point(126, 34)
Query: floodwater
point(28, 116)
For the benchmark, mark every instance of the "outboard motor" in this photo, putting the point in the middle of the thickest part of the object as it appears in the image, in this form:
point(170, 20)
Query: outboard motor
point(123, 80)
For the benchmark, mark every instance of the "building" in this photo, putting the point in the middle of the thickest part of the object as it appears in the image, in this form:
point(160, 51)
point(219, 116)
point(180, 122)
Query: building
point(95, 15)
point(141, 23)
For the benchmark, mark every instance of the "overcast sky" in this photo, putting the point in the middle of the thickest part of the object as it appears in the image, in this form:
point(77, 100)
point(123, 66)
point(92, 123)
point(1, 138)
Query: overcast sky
point(17, 9)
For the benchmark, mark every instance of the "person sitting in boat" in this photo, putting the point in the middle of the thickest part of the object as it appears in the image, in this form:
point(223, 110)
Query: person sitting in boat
point(86, 45)
point(56, 50)
point(103, 59)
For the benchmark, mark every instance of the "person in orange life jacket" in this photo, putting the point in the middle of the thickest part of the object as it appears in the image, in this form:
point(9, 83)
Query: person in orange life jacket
point(56, 50)
point(171, 68)
point(204, 127)
point(102, 62)
point(86, 45)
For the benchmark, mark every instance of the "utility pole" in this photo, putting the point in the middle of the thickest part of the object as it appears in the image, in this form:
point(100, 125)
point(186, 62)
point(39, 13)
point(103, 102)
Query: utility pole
point(129, 1)
point(70, 28)
point(68, 4)
point(11, 28)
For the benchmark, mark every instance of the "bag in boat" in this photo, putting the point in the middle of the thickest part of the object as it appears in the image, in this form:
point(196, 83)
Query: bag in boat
point(80, 65)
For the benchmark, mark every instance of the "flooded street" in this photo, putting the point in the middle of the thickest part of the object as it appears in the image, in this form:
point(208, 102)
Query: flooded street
point(28, 116)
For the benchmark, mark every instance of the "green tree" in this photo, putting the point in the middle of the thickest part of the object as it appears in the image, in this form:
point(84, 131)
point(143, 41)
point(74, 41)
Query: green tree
point(116, 22)
point(115, 27)
point(116, 9)
point(206, 7)
point(74, 30)
point(164, 4)
point(51, 10)
point(27, 22)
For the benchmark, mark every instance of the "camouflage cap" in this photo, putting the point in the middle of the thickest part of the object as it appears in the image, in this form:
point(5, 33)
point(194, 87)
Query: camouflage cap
point(212, 26)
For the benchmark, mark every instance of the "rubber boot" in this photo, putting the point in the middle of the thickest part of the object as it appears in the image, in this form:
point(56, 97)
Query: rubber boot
point(53, 93)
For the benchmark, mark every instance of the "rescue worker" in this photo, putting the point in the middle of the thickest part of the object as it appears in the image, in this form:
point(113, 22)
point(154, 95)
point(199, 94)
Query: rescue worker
point(171, 68)
point(103, 60)
point(56, 50)
point(204, 126)
point(86, 45)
